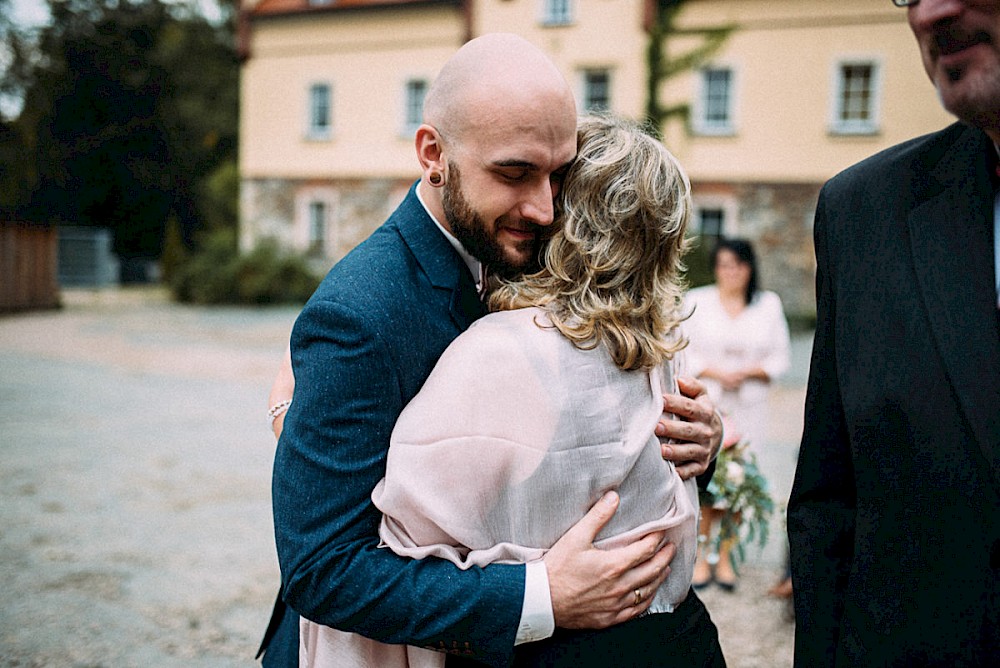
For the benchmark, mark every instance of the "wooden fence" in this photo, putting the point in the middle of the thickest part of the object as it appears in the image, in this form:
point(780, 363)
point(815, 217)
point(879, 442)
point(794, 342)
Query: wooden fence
point(28, 266)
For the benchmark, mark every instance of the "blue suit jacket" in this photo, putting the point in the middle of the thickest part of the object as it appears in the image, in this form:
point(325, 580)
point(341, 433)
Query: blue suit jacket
point(361, 349)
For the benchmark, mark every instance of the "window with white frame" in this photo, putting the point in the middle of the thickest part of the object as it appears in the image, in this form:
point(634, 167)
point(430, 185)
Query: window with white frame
point(713, 112)
point(557, 12)
point(320, 112)
point(317, 227)
point(596, 90)
point(855, 107)
point(416, 90)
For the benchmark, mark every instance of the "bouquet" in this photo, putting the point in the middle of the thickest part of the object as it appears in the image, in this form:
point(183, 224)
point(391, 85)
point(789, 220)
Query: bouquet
point(740, 488)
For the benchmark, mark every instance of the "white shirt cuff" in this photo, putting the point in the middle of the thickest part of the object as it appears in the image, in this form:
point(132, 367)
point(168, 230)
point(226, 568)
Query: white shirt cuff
point(537, 621)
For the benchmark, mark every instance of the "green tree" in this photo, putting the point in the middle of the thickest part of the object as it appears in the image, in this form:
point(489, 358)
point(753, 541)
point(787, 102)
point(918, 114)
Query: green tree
point(663, 64)
point(128, 107)
point(12, 43)
point(199, 108)
point(14, 164)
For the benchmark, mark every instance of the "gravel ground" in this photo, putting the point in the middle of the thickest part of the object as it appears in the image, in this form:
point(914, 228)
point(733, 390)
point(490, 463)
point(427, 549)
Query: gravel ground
point(135, 488)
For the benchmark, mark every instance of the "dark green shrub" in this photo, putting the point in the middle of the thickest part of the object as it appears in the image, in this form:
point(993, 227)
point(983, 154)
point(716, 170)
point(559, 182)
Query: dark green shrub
point(175, 253)
point(217, 274)
point(698, 260)
point(268, 276)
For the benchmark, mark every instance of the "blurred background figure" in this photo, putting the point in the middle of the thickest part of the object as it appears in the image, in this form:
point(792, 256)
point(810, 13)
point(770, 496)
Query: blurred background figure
point(739, 344)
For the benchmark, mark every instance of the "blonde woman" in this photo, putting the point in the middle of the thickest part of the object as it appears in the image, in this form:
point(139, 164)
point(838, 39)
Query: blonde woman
point(547, 405)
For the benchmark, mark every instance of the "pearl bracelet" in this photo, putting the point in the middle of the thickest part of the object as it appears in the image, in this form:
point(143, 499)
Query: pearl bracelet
point(276, 410)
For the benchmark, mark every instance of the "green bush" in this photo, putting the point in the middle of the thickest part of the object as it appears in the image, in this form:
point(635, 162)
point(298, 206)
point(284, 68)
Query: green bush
point(699, 271)
point(218, 274)
point(219, 196)
point(175, 253)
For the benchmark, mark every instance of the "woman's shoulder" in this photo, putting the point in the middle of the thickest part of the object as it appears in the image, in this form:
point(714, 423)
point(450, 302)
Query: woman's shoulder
point(702, 294)
point(503, 331)
point(498, 350)
point(703, 297)
point(703, 291)
point(769, 299)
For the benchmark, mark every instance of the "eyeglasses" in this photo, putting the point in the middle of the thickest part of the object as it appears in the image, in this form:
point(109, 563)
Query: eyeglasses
point(905, 3)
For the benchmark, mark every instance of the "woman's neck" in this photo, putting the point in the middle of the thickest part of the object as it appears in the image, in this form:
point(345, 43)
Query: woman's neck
point(733, 301)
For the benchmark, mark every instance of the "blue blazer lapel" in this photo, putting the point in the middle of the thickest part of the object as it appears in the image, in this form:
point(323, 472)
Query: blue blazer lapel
point(443, 266)
point(951, 245)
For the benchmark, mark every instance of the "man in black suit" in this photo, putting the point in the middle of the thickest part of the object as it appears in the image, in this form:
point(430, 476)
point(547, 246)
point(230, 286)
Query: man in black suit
point(894, 515)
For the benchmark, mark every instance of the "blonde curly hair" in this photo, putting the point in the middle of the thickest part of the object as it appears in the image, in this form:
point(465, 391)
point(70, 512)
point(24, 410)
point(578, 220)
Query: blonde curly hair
point(612, 271)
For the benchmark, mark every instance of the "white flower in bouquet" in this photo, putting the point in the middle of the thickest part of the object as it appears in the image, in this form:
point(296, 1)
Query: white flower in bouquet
point(735, 473)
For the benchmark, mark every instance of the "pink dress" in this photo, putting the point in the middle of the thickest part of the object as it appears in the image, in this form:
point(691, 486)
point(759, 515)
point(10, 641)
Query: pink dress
point(756, 337)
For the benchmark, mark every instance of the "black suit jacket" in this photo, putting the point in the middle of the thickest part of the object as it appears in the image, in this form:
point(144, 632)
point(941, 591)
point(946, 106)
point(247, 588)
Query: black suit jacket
point(894, 515)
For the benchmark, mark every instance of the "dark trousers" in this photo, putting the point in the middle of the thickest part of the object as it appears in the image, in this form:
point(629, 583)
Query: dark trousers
point(685, 638)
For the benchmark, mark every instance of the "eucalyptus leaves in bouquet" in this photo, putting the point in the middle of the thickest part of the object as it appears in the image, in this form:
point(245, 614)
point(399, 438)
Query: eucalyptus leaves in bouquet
point(740, 488)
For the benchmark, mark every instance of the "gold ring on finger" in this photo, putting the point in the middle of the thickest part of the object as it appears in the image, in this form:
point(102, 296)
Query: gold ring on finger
point(638, 597)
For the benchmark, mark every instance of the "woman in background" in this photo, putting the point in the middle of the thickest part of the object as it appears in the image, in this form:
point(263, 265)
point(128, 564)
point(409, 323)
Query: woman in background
point(739, 344)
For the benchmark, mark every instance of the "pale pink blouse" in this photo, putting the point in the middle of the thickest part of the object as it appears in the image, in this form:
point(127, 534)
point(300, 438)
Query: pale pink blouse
point(511, 440)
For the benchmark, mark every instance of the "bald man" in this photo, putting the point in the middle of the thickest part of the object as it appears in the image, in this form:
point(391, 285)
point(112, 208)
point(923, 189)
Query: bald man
point(499, 133)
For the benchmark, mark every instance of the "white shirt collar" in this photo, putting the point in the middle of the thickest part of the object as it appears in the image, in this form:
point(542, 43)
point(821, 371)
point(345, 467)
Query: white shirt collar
point(474, 265)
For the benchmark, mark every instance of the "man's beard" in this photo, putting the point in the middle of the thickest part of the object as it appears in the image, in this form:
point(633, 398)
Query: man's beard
point(976, 103)
point(970, 95)
point(472, 231)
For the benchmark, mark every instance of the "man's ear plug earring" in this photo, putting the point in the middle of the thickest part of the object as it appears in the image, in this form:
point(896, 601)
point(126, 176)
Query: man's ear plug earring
point(435, 178)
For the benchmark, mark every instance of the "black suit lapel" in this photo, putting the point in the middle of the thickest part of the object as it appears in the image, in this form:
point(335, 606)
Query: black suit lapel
point(951, 243)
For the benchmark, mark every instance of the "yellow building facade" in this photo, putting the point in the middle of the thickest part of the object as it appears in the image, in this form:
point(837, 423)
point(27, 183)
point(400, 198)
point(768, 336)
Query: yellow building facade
point(331, 91)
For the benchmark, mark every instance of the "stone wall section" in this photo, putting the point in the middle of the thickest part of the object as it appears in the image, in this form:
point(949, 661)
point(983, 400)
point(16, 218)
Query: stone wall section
point(776, 218)
point(278, 209)
point(267, 211)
